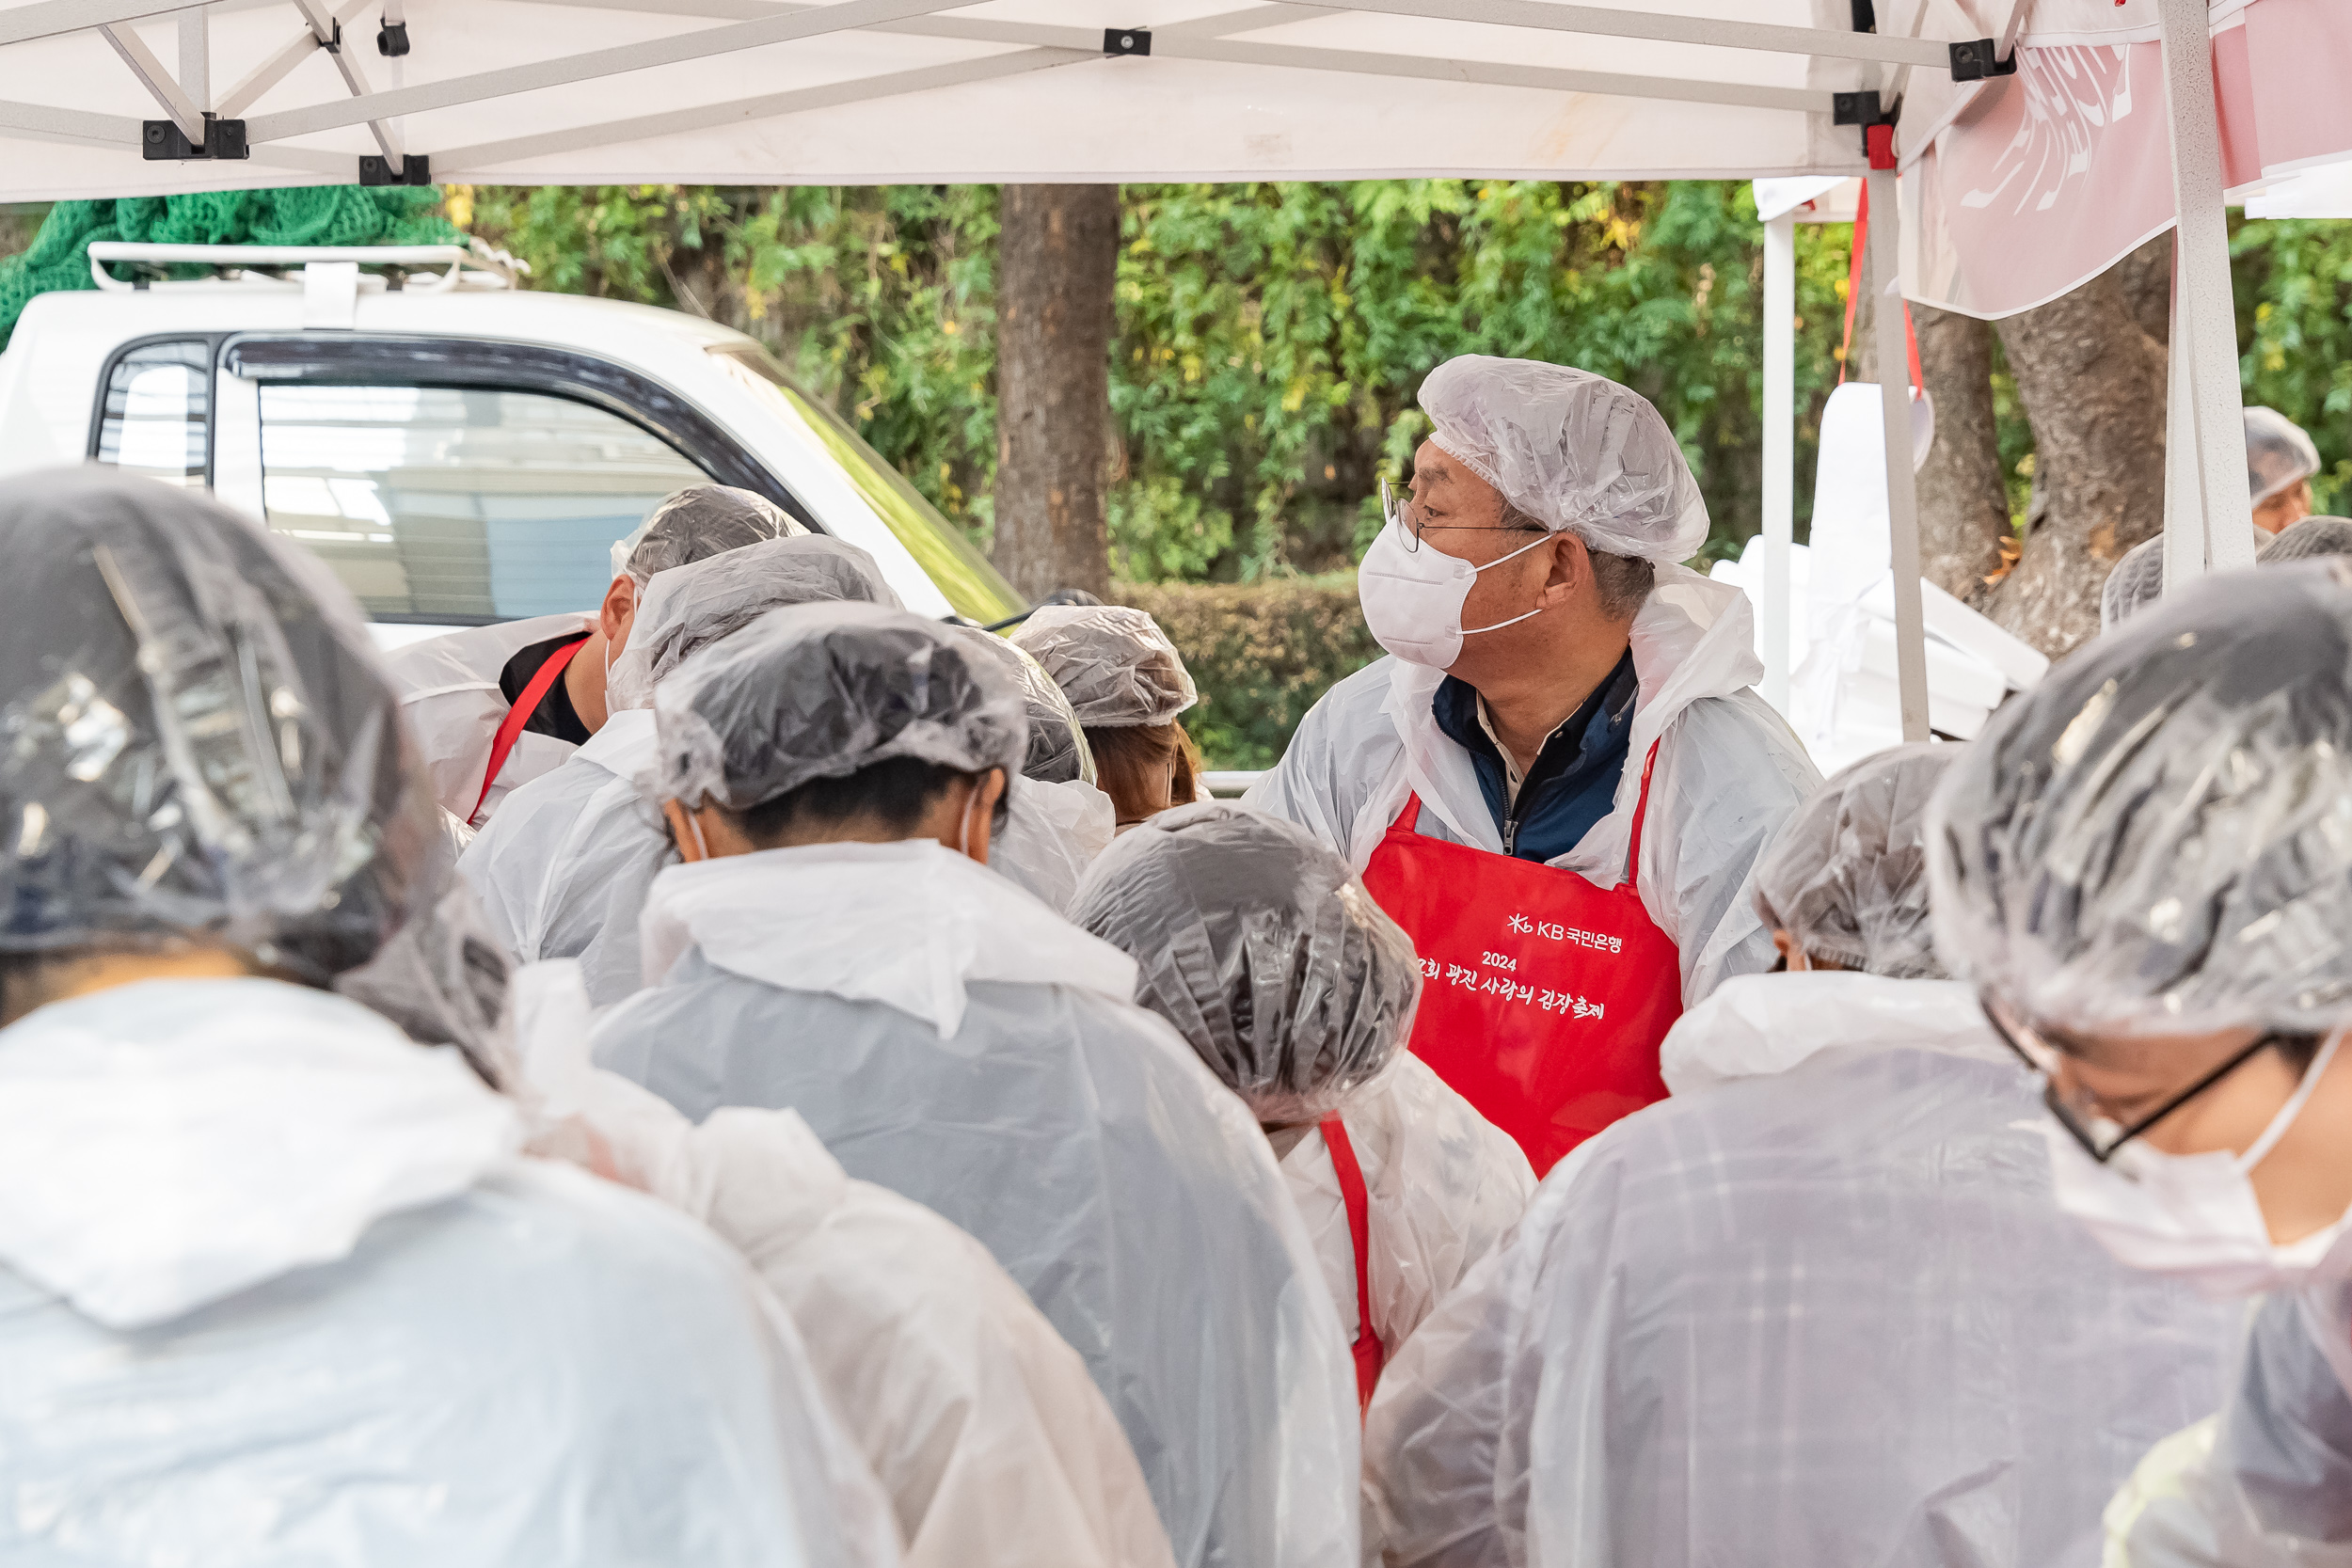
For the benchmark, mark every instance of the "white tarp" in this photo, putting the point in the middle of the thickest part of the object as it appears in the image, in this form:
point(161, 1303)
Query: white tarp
point(578, 91)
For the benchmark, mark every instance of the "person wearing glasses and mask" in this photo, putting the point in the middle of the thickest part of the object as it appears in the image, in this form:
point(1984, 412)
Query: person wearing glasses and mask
point(1815, 1308)
point(2144, 868)
point(1560, 780)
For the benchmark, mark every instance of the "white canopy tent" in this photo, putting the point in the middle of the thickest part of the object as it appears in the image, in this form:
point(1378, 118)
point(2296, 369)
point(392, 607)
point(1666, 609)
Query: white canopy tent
point(142, 97)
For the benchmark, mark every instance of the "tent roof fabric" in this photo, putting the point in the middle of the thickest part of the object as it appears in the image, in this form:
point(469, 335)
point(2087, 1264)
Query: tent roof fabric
point(618, 91)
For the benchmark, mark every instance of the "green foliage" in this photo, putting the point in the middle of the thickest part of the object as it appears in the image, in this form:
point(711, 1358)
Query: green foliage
point(1261, 654)
point(1270, 336)
point(2295, 325)
point(58, 256)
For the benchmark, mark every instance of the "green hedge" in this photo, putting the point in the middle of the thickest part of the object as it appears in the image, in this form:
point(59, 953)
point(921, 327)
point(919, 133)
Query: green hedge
point(1261, 653)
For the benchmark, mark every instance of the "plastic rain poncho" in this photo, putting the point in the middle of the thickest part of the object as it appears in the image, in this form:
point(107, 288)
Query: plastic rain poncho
point(994, 1445)
point(562, 870)
point(1729, 772)
point(1269, 957)
point(2268, 1482)
point(2301, 540)
point(1115, 664)
point(950, 1037)
point(1570, 450)
point(260, 1253)
point(1848, 876)
point(1824, 1315)
point(1059, 753)
point(449, 685)
point(2177, 789)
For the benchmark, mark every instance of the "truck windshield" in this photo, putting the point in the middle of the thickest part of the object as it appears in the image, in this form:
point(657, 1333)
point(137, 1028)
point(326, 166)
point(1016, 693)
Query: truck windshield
point(971, 584)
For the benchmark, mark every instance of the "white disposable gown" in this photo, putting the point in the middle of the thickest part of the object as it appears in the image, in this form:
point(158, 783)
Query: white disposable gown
point(562, 870)
point(1442, 1186)
point(1729, 772)
point(276, 1288)
point(1052, 833)
point(995, 1448)
point(1824, 1313)
point(2268, 1482)
point(449, 693)
point(949, 1038)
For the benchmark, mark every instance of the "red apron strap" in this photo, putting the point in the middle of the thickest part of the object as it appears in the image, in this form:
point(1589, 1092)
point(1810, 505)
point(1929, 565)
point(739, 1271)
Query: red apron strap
point(1640, 813)
point(534, 692)
point(1369, 1354)
point(1854, 293)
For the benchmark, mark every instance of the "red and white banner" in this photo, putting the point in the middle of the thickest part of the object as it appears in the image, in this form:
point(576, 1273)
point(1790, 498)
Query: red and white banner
point(2024, 187)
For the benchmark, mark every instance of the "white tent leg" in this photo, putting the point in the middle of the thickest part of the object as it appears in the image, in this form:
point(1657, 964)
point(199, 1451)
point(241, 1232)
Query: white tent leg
point(2203, 306)
point(1902, 494)
point(1780, 449)
point(2184, 497)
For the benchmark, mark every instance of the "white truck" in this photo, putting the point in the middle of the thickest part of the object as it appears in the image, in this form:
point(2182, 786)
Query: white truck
point(460, 452)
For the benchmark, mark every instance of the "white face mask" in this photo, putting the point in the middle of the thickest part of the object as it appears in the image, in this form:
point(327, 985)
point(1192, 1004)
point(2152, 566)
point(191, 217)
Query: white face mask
point(2194, 1217)
point(1412, 597)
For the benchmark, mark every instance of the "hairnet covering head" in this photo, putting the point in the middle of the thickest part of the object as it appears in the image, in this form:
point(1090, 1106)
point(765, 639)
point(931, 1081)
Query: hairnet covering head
point(1115, 664)
point(2157, 840)
point(824, 690)
point(1848, 874)
point(688, 608)
point(1572, 450)
point(2137, 582)
point(697, 523)
point(2301, 540)
point(2279, 454)
point(1059, 753)
point(195, 739)
point(1261, 948)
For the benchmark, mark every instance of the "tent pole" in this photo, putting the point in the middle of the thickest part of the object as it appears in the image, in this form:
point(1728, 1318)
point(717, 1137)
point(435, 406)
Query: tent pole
point(196, 60)
point(1902, 492)
point(2202, 305)
point(2183, 500)
point(1780, 442)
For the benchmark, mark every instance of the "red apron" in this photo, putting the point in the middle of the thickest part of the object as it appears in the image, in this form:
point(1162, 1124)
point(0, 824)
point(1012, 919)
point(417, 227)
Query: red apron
point(1369, 1354)
point(534, 692)
point(1544, 998)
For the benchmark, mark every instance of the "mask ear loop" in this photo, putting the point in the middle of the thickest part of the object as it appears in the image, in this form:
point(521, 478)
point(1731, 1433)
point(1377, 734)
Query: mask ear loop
point(963, 831)
point(1473, 631)
point(2293, 1108)
point(695, 820)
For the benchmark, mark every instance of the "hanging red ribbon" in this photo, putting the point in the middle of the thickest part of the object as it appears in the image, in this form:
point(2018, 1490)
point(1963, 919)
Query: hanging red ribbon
point(1854, 293)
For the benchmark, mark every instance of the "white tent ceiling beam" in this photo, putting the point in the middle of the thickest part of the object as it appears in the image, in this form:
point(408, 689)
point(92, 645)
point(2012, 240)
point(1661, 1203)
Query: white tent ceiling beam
point(196, 57)
point(22, 24)
point(274, 70)
point(157, 81)
point(1610, 22)
point(327, 29)
point(83, 128)
point(812, 22)
point(799, 101)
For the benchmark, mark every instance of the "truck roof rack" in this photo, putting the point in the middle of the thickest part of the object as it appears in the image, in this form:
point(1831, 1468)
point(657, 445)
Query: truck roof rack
point(430, 267)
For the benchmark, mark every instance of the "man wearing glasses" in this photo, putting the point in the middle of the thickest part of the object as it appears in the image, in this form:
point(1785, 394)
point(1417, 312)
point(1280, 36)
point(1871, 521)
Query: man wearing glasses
point(2146, 872)
point(1560, 781)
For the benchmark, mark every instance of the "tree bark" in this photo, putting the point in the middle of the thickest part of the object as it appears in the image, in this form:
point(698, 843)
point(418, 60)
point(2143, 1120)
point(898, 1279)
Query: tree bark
point(1058, 259)
point(2093, 380)
point(1963, 504)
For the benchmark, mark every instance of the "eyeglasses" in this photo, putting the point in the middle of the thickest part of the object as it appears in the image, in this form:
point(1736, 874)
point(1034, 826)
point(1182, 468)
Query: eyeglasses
point(2100, 1136)
point(1398, 513)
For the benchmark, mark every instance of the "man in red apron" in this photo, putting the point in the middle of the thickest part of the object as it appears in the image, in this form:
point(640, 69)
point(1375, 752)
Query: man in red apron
point(496, 706)
point(1560, 781)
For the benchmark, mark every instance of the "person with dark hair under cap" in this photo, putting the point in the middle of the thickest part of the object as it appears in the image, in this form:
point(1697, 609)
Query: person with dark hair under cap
point(1814, 1308)
point(1057, 819)
point(834, 776)
point(496, 706)
point(276, 1283)
point(2143, 868)
point(562, 868)
point(1266, 954)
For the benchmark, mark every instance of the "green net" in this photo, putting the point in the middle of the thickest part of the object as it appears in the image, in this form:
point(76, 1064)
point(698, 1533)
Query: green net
point(315, 215)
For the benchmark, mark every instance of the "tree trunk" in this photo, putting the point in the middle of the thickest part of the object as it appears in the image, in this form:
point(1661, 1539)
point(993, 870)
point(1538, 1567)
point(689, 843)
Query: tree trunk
point(2093, 380)
point(1963, 504)
point(1058, 259)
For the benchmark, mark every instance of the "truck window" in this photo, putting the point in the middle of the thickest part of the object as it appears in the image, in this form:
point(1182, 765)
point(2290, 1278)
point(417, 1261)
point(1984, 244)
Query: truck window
point(157, 414)
point(459, 505)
